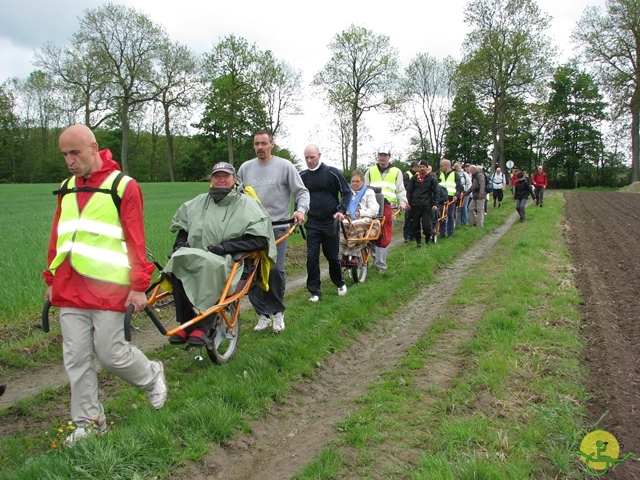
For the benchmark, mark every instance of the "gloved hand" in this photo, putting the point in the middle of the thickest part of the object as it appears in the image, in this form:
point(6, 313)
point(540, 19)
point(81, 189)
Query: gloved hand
point(216, 249)
point(177, 246)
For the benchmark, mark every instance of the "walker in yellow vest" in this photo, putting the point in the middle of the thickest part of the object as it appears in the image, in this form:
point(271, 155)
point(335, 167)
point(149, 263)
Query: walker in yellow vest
point(93, 239)
point(388, 184)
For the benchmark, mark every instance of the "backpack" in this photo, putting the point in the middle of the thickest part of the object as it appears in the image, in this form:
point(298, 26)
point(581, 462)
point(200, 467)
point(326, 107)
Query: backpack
point(488, 186)
point(443, 194)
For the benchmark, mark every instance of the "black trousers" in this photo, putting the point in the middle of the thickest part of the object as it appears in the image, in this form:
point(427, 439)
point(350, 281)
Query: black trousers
point(323, 236)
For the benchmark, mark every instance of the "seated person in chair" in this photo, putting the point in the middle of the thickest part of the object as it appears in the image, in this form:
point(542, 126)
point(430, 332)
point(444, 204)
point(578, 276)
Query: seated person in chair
point(211, 228)
point(362, 211)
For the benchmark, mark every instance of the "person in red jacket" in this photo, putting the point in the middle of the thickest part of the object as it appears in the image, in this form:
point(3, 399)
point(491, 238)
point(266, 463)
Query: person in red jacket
point(540, 183)
point(97, 267)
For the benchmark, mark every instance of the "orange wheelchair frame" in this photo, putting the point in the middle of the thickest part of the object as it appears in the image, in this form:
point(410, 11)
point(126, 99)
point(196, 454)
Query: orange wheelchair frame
point(358, 268)
point(443, 217)
point(224, 333)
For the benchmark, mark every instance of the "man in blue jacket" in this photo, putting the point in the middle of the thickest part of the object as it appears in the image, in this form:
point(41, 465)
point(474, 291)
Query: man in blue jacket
point(329, 199)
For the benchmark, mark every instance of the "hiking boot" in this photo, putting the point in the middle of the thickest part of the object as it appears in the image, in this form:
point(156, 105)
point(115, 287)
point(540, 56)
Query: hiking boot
point(84, 432)
point(342, 291)
point(263, 322)
point(158, 391)
point(278, 322)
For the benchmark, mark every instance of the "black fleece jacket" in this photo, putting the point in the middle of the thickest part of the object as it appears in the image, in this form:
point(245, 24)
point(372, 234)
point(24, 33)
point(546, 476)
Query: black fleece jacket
point(329, 193)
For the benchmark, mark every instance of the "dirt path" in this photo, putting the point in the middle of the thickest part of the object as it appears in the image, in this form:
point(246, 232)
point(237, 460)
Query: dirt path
point(144, 335)
point(295, 431)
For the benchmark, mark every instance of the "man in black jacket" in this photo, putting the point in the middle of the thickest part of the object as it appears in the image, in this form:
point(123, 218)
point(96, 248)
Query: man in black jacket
point(423, 199)
point(330, 196)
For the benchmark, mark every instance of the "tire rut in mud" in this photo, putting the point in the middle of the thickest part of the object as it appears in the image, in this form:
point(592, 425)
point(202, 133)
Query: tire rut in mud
point(293, 432)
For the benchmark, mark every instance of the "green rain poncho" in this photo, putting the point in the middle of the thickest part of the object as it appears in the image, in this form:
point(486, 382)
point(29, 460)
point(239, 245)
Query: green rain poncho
point(204, 274)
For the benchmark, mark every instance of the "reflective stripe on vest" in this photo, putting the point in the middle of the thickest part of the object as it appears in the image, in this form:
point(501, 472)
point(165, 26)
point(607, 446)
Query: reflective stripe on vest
point(447, 182)
point(388, 185)
point(93, 239)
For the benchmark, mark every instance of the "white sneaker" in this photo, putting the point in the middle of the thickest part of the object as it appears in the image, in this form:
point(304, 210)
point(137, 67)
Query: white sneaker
point(278, 322)
point(342, 291)
point(158, 391)
point(314, 298)
point(84, 432)
point(263, 322)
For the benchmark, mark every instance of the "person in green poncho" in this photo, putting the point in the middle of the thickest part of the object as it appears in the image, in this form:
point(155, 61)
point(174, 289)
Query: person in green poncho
point(211, 228)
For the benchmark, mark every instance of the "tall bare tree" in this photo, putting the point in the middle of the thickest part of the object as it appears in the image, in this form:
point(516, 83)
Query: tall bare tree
point(125, 44)
point(83, 80)
point(611, 44)
point(361, 75)
point(428, 85)
point(280, 90)
point(508, 55)
point(176, 85)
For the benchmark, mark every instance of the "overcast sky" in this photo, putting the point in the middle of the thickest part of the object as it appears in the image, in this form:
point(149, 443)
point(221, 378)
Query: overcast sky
point(297, 32)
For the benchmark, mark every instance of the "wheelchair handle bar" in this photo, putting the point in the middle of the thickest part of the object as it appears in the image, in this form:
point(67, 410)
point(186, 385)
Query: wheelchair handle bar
point(152, 315)
point(45, 315)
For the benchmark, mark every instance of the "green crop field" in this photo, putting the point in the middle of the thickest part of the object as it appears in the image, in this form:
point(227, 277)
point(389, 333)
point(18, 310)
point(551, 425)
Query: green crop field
point(26, 224)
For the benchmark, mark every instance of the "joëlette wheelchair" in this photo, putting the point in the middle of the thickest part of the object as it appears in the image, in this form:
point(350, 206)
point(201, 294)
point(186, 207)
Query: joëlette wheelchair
point(440, 216)
point(222, 339)
point(358, 265)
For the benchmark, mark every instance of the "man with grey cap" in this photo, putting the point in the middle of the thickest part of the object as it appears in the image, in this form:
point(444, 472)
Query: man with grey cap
point(389, 179)
point(211, 228)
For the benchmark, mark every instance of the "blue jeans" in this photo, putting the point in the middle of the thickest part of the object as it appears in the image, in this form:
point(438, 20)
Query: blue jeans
point(463, 212)
point(448, 225)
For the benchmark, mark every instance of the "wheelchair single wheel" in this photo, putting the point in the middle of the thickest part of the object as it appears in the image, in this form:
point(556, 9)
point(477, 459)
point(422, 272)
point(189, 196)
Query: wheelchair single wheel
point(224, 340)
point(359, 273)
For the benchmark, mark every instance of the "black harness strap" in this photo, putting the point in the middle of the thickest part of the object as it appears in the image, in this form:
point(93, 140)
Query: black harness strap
point(64, 189)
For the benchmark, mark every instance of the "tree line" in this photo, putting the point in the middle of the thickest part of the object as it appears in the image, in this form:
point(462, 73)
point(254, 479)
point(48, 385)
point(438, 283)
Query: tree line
point(169, 114)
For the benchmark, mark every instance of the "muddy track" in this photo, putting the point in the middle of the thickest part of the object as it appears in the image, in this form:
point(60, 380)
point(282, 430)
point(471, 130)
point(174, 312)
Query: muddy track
point(293, 432)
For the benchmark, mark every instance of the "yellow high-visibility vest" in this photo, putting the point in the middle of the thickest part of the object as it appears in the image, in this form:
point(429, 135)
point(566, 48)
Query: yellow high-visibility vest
point(388, 184)
point(448, 181)
point(93, 239)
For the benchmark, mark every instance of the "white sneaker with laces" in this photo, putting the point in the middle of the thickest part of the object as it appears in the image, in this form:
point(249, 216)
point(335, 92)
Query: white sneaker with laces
point(342, 291)
point(314, 298)
point(278, 322)
point(84, 432)
point(158, 391)
point(263, 322)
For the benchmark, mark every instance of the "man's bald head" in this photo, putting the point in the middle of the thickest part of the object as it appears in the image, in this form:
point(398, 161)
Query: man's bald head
point(80, 150)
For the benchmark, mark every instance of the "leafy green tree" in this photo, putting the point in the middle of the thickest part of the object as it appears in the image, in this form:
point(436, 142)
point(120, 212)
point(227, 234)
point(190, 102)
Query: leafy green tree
point(233, 105)
point(520, 134)
point(125, 44)
point(362, 75)
point(575, 110)
point(9, 135)
point(467, 135)
point(611, 45)
point(508, 55)
point(428, 87)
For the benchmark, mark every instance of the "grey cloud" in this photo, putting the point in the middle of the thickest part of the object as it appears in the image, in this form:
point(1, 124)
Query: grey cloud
point(31, 23)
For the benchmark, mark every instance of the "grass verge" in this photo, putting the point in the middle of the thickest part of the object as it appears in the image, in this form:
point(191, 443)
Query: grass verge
point(510, 401)
point(207, 403)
